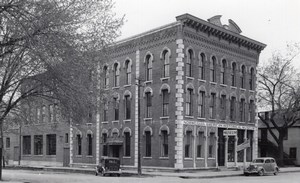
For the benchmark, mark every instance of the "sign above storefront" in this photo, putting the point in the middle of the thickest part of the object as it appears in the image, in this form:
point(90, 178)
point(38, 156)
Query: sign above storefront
point(230, 132)
point(244, 145)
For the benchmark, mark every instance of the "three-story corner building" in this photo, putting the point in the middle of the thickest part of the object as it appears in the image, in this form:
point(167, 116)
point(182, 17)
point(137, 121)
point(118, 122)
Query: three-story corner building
point(191, 87)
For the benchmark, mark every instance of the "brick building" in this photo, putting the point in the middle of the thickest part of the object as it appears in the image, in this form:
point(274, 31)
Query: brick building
point(196, 79)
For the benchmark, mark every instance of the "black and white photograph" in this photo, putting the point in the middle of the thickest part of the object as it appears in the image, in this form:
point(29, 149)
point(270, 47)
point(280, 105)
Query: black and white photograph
point(166, 91)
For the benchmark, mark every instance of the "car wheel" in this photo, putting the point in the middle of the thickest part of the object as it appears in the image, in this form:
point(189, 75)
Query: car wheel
point(246, 174)
point(261, 172)
point(276, 171)
point(96, 173)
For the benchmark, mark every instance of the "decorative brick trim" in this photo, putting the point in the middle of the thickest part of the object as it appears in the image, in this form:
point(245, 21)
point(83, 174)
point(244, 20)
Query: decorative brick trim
point(179, 105)
point(136, 132)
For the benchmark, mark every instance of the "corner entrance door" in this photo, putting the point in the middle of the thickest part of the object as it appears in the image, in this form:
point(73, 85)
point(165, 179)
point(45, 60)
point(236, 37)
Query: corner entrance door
point(221, 147)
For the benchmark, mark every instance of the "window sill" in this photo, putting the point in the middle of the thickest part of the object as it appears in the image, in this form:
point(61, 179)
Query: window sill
point(191, 117)
point(222, 120)
point(147, 119)
point(116, 121)
point(251, 91)
point(242, 122)
point(26, 155)
point(147, 157)
point(212, 119)
point(201, 118)
point(89, 156)
point(125, 86)
point(164, 117)
point(201, 80)
point(211, 158)
point(126, 157)
point(51, 156)
point(106, 88)
point(213, 83)
point(232, 121)
point(116, 87)
point(38, 155)
point(190, 78)
point(224, 85)
point(199, 158)
point(148, 82)
point(165, 79)
point(104, 122)
point(233, 87)
point(78, 156)
point(166, 158)
point(127, 120)
point(189, 159)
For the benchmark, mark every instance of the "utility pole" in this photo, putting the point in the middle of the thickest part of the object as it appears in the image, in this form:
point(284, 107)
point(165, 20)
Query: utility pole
point(139, 168)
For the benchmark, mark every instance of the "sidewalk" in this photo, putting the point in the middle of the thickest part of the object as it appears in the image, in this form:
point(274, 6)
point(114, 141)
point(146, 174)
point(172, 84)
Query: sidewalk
point(201, 174)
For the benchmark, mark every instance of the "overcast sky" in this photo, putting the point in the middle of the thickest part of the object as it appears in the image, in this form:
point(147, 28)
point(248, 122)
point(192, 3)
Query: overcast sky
point(273, 22)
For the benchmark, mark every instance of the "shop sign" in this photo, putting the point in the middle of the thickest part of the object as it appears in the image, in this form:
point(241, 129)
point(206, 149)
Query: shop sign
point(230, 132)
point(244, 145)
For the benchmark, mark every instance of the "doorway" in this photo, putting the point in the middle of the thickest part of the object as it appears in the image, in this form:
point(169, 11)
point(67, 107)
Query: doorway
point(221, 147)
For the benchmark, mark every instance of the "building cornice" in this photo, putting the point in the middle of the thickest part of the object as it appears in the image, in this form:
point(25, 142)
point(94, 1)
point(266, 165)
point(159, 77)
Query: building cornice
point(220, 32)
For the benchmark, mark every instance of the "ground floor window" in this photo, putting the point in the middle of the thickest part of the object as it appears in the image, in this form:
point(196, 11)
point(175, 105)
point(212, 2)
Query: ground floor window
point(188, 145)
point(51, 144)
point(164, 144)
point(38, 144)
point(200, 145)
point(249, 149)
point(79, 145)
point(90, 144)
point(231, 149)
point(127, 144)
point(7, 142)
point(105, 147)
point(211, 145)
point(148, 143)
point(293, 153)
point(27, 145)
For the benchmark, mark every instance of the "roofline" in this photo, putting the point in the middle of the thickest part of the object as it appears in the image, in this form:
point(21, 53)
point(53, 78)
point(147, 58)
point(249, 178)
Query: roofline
point(173, 24)
point(186, 17)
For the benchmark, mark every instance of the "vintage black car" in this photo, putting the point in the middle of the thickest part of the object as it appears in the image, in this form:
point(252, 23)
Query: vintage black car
point(109, 166)
point(262, 166)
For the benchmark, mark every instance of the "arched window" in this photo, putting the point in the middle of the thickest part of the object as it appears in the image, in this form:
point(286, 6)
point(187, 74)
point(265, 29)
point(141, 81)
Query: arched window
point(212, 106)
point(116, 75)
point(233, 108)
point(128, 72)
point(165, 102)
point(105, 110)
point(79, 144)
point(189, 62)
point(242, 110)
point(223, 107)
point(127, 143)
point(116, 108)
point(243, 77)
point(166, 60)
point(201, 104)
point(105, 146)
point(251, 114)
point(188, 104)
point(127, 101)
point(251, 79)
point(148, 68)
point(223, 72)
point(212, 67)
point(106, 76)
point(148, 104)
point(164, 133)
point(148, 139)
point(233, 74)
point(202, 66)
point(188, 144)
point(200, 144)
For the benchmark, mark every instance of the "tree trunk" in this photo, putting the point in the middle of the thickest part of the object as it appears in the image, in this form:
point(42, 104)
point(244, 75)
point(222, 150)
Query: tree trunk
point(280, 153)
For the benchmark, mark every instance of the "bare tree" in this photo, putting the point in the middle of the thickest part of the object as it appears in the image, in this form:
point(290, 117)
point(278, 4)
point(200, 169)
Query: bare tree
point(279, 93)
point(51, 48)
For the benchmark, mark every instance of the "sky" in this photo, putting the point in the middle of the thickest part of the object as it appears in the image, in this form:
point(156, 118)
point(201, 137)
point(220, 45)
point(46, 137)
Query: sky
point(272, 22)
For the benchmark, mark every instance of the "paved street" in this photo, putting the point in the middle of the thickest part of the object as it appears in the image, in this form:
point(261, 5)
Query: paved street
point(18, 176)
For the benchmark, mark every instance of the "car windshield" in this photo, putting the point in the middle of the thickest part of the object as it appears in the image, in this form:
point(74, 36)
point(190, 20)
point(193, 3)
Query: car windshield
point(258, 161)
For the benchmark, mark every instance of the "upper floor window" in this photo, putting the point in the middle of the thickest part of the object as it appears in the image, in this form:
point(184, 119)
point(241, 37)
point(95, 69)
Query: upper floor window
point(233, 108)
point(128, 72)
point(106, 76)
point(233, 74)
point(116, 75)
point(127, 106)
point(201, 104)
point(212, 106)
point(165, 101)
point(188, 106)
point(251, 114)
point(148, 68)
point(212, 67)
point(116, 109)
point(243, 76)
point(189, 62)
point(242, 110)
point(223, 107)
point(251, 79)
point(105, 111)
point(223, 72)
point(202, 66)
point(148, 104)
point(166, 60)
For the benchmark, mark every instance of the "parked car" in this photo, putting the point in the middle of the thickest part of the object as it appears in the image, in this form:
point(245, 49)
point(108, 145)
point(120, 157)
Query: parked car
point(109, 166)
point(262, 166)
